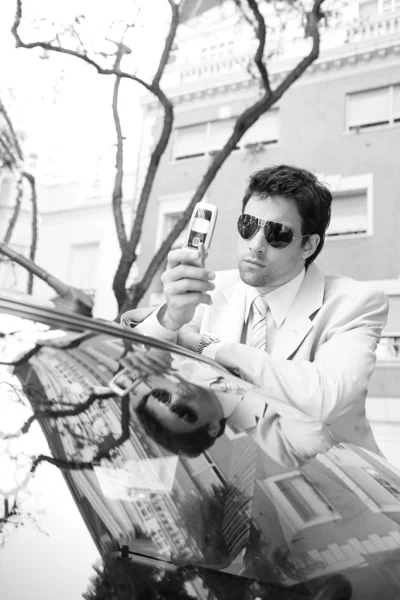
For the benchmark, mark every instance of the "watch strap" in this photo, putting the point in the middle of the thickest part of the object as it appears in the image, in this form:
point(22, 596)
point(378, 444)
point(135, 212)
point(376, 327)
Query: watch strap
point(206, 339)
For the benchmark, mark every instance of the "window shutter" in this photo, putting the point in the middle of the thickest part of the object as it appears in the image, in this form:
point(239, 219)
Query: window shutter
point(220, 132)
point(349, 213)
point(371, 107)
point(190, 141)
point(265, 130)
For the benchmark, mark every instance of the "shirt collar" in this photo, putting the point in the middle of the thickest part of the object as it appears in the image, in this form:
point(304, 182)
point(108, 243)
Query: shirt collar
point(229, 402)
point(279, 300)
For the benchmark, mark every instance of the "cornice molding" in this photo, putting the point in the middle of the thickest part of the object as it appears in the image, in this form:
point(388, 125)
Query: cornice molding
point(321, 66)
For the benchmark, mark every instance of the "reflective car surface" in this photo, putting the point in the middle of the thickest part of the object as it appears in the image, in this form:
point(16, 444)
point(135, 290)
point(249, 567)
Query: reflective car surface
point(230, 523)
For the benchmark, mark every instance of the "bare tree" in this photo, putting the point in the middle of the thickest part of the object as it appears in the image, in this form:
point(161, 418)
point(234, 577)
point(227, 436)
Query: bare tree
point(12, 160)
point(69, 41)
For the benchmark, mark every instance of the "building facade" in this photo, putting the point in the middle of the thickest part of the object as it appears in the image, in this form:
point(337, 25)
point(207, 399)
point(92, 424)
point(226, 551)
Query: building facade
point(341, 120)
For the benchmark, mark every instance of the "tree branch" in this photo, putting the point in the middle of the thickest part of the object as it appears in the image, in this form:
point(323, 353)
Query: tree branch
point(51, 48)
point(16, 211)
point(313, 18)
point(168, 43)
point(104, 450)
point(15, 140)
point(32, 253)
point(119, 160)
point(261, 35)
point(129, 257)
point(58, 414)
point(244, 15)
point(111, 443)
point(243, 123)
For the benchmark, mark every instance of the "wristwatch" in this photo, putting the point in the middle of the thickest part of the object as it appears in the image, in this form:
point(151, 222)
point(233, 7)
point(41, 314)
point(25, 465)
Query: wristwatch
point(206, 339)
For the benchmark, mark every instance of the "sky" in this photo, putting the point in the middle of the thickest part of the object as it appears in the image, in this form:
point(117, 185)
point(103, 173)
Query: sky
point(61, 103)
point(64, 108)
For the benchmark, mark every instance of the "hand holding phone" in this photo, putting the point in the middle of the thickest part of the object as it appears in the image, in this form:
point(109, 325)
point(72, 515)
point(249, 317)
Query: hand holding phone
point(202, 225)
point(201, 229)
point(186, 281)
point(125, 381)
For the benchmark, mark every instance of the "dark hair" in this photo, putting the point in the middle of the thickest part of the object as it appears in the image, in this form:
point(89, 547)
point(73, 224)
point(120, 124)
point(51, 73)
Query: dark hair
point(190, 444)
point(312, 198)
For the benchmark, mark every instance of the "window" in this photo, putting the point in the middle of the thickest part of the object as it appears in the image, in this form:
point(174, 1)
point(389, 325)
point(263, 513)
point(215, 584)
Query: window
point(383, 491)
point(370, 108)
point(170, 220)
point(388, 5)
point(300, 500)
point(82, 267)
point(202, 139)
point(388, 348)
point(191, 141)
point(264, 131)
point(351, 211)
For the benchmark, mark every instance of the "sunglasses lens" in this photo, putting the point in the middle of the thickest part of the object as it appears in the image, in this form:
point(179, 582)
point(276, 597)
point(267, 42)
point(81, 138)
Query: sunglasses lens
point(184, 413)
point(278, 235)
point(161, 395)
point(247, 226)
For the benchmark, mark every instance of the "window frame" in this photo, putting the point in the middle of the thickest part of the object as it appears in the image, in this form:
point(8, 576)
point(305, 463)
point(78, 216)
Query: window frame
point(167, 205)
point(353, 184)
point(392, 121)
point(288, 510)
point(243, 147)
point(393, 7)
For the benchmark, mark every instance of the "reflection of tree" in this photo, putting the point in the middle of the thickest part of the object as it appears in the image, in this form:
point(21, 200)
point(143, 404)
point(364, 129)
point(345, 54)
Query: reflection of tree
point(277, 565)
point(121, 579)
point(295, 563)
point(13, 517)
point(203, 514)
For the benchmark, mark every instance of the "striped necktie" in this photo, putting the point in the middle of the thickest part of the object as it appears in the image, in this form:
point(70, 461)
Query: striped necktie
point(259, 334)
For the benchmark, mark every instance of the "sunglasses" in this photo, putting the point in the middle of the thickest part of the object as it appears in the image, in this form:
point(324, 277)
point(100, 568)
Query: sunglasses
point(180, 410)
point(277, 235)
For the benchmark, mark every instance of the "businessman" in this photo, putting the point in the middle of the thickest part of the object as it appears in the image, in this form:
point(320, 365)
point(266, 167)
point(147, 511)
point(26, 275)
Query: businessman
point(306, 339)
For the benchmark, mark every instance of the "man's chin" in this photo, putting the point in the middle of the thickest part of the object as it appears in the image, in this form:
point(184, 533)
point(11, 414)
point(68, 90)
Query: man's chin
point(252, 279)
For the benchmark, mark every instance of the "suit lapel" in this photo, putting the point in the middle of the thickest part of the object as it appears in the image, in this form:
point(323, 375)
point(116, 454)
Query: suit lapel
point(298, 323)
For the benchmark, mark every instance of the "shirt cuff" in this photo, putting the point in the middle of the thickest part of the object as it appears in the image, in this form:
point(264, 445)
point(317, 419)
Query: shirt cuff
point(151, 326)
point(211, 350)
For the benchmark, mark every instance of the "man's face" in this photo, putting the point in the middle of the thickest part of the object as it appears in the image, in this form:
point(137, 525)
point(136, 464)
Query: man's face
point(262, 266)
point(183, 407)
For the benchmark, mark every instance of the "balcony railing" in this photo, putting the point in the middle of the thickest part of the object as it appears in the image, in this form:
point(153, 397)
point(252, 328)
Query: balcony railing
point(341, 40)
point(389, 348)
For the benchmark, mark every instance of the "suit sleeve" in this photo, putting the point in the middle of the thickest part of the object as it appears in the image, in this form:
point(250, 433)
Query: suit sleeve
point(144, 321)
point(325, 388)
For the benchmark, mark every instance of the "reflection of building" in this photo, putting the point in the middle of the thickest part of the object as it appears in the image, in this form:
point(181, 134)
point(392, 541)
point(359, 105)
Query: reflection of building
point(335, 514)
point(67, 375)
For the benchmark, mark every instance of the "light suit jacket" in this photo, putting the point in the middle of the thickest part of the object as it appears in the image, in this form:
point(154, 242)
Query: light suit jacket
point(322, 360)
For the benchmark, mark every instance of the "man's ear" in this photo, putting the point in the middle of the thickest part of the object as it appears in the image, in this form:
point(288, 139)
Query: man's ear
point(214, 428)
point(310, 245)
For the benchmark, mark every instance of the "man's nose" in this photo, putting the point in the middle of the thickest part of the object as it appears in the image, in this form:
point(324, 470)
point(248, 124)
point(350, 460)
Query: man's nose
point(258, 243)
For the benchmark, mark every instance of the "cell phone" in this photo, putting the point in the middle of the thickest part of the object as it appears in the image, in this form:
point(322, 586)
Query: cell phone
point(202, 224)
point(124, 381)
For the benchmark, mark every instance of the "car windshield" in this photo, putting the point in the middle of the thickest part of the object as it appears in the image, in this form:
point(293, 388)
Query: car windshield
point(231, 522)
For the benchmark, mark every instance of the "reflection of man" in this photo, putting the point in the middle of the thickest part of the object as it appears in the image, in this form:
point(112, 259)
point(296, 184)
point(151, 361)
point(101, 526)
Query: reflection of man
point(187, 396)
point(308, 340)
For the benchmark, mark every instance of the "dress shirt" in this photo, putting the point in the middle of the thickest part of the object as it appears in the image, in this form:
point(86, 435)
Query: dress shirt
point(279, 302)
